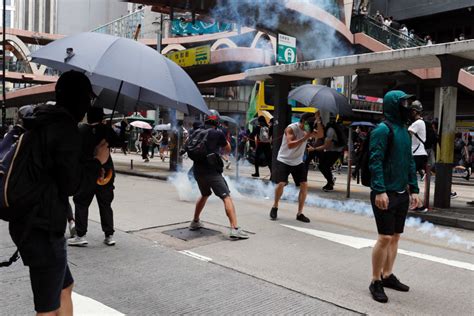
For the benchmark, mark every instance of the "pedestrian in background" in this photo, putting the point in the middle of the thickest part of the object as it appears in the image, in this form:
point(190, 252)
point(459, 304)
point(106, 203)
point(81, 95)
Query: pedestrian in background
point(145, 139)
point(263, 149)
point(330, 151)
point(103, 188)
point(393, 185)
point(164, 141)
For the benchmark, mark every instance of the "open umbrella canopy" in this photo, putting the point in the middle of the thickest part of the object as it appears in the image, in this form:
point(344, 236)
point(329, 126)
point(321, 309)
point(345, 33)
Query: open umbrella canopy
point(139, 117)
point(322, 98)
point(126, 66)
point(229, 120)
point(362, 123)
point(140, 124)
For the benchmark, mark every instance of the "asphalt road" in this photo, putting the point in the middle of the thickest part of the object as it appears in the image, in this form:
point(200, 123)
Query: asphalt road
point(286, 267)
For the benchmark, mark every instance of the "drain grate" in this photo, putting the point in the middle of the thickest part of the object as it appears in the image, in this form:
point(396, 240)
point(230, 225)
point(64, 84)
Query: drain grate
point(187, 235)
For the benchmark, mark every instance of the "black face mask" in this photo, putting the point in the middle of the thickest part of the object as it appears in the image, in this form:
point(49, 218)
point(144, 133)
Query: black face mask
point(404, 114)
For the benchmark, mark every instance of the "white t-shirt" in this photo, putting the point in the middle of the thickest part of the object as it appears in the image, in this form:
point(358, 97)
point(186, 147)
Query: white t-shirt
point(292, 156)
point(417, 148)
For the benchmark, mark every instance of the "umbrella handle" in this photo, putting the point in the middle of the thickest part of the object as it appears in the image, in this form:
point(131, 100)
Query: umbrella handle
point(116, 101)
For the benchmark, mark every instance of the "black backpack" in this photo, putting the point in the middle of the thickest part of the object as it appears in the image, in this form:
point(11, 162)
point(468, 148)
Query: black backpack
point(196, 146)
point(22, 180)
point(431, 137)
point(365, 155)
point(340, 133)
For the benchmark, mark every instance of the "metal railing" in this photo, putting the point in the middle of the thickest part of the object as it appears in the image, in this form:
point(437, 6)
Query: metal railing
point(125, 26)
point(17, 66)
point(384, 34)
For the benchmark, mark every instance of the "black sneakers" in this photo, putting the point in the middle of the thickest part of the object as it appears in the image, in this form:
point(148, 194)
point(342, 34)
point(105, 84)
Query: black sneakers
point(378, 294)
point(302, 218)
point(393, 283)
point(274, 213)
point(328, 187)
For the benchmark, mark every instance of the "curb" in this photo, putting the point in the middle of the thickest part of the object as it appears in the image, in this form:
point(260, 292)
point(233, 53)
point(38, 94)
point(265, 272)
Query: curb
point(142, 175)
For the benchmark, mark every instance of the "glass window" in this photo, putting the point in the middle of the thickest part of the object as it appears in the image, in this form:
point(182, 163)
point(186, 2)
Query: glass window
point(8, 19)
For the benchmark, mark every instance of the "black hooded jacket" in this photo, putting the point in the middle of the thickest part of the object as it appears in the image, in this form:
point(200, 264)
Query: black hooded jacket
point(65, 172)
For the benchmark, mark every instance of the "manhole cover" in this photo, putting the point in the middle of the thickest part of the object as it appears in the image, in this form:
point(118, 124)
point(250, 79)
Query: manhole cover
point(186, 234)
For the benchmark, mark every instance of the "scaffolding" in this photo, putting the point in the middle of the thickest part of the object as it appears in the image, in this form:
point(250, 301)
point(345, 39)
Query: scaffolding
point(125, 26)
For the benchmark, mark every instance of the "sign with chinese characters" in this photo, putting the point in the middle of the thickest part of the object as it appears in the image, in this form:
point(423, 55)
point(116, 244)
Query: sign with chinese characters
point(286, 51)
point(186, 28)
point(191, 57)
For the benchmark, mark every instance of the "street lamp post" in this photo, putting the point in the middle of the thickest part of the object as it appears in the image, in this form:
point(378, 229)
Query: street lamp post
point(4, 91)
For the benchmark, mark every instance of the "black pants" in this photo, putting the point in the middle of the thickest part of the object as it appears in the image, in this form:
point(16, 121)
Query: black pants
point(153, 149)
point(326, 160)
point(145, 149)
point(311, 156)
point(266, 150)
point(104, 195)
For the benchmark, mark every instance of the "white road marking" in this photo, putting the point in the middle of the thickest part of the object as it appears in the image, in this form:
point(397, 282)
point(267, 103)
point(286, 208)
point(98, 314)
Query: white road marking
point(195, 255)
point(84, 305)
point(359, 243)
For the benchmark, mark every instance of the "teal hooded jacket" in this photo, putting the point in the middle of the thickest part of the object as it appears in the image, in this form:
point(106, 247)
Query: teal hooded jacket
point(396, 172)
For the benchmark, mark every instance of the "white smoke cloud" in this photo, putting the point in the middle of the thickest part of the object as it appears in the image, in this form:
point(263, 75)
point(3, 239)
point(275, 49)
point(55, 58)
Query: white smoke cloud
point(188, 191)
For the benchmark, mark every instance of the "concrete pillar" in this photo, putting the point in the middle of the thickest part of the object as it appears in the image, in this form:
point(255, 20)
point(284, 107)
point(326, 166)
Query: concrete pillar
point(450, 67)
point(444, 161)
point(282, 114)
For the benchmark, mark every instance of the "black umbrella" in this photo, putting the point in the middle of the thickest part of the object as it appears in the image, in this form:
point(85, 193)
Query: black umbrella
point(322, 98)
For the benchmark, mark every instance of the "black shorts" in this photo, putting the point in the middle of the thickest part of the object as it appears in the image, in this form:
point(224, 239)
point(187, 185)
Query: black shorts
point(216, 182)
point(46, 257)
point(391, 221)
point(420, 162)
point(299, 173)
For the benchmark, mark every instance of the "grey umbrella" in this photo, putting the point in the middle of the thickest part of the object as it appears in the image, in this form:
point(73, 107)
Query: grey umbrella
point(322, 98)
point(125, 66)
point(229, 120)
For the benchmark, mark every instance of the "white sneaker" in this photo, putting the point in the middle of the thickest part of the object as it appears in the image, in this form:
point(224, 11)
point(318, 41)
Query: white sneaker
point(238, 233)
point(228, 164)
point(72, 229)
point(77, 241)
point(195, 225)
point(109, 240)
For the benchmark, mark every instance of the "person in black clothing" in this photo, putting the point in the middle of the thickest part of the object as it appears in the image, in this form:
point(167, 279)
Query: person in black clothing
point(42, 248)
point(208, 175)
point(103, 189)
point(262, 136)
point(124, 129)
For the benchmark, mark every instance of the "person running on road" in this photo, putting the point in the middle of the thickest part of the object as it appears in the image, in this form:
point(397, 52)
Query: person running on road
point(290, 161)
point(208, 175)
point(393, 185)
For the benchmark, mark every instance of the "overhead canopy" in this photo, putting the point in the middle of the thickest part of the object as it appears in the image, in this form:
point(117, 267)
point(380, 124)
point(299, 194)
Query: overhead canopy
point(380, 62)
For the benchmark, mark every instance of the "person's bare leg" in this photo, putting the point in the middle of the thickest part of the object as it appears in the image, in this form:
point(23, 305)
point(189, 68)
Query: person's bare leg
point(278, 193)
point(391, 255)
point(379, 255)
point(66, 308)
point(199, 207)
point(230, 211)
point(302, 196)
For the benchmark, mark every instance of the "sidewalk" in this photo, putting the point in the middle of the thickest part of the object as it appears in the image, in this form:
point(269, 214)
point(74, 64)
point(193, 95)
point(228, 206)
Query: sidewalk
point(459, 215)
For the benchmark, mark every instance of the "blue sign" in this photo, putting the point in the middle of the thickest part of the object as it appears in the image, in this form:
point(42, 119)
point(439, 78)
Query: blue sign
point(180, 27)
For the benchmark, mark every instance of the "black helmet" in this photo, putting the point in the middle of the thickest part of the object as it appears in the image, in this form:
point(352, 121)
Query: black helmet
point(212, 118)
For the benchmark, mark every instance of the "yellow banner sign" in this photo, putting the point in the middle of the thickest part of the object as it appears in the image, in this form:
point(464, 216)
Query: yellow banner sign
point(191, 57)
